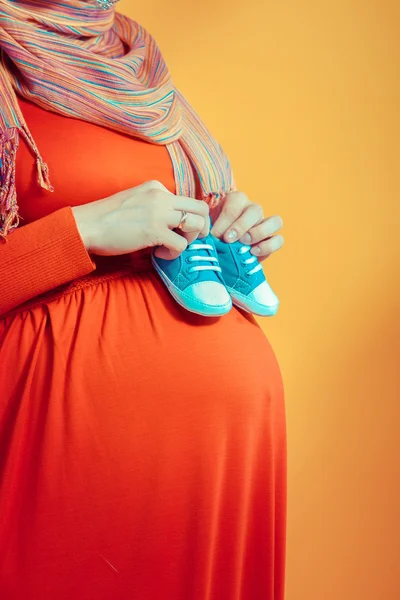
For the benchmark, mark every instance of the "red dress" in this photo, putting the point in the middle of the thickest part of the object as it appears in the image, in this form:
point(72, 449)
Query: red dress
point(142, 448)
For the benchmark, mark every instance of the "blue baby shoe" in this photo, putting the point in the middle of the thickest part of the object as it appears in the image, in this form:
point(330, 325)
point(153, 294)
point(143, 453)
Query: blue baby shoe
point(245, 280)
point(194, 279)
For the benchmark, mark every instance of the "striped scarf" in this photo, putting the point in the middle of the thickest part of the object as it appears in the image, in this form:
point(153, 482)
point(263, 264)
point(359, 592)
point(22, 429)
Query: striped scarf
point(72, 58)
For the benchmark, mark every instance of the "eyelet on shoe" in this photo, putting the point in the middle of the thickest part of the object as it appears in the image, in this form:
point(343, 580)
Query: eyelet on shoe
point(188, 260)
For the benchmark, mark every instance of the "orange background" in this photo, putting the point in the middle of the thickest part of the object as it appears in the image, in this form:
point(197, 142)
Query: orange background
point(304, 96)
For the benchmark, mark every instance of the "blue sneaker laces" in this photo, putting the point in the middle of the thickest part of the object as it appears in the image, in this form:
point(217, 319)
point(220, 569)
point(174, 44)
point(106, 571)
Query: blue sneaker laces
point(198, 247)
point(244, 249)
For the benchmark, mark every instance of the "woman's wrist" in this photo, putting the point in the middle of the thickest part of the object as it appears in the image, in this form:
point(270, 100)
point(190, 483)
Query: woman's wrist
point(83, 225)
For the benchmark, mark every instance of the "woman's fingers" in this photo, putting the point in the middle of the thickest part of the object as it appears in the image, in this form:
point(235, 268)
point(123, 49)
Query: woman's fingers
point(194, 207)
point(175, 242)
point(232, 208)
point(192, 223)
point(252, 215)
point(192, 228)
point(264, 249)
point(262, 231)
point(171, 245)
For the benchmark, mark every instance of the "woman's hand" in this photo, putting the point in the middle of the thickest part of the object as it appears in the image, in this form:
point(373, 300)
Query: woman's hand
point(142, 217)
point(237, 218)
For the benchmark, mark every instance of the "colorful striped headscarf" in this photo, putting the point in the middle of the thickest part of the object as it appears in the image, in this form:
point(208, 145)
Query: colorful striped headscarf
point(80, 61)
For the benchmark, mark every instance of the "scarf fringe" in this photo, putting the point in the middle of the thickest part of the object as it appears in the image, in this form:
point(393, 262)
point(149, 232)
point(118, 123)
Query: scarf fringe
point(41, 166)
point(9, 218)
point(43, 174)
point(9, 142)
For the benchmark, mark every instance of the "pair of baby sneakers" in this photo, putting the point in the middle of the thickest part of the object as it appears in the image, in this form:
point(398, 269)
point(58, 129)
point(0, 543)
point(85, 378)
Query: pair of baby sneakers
point(211, 275)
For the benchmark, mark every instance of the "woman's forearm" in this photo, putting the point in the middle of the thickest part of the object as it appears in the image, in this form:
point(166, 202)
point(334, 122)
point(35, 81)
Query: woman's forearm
point(41, 256)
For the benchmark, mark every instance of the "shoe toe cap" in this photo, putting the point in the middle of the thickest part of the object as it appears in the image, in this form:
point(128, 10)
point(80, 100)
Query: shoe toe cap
point(210, 294)
point(264, 296)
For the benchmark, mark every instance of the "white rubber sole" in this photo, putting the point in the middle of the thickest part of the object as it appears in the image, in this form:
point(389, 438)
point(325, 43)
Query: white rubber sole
point(255, 308)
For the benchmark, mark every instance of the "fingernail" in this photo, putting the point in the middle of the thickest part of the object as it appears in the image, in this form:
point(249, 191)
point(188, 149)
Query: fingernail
point(232, 235)
point(246, 239)
point(256, 250)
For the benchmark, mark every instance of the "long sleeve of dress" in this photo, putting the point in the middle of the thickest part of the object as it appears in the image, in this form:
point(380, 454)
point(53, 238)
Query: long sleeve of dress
point(41, 256)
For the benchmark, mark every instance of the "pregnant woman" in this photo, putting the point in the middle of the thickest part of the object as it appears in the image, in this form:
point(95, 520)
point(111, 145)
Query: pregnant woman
point(142, 447)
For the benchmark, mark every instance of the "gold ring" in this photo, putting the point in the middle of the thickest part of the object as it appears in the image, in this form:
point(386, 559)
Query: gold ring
point(183, 220)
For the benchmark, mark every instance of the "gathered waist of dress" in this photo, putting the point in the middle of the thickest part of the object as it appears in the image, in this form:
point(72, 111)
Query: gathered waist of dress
point(108, 268)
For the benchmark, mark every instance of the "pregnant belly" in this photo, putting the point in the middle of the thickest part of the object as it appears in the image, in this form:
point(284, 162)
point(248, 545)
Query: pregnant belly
point(117, 408)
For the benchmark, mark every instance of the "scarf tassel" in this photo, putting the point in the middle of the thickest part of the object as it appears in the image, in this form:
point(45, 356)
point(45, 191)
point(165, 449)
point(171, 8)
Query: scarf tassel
point(9, 218)
point(9, 142)
point(41, 166)
point(43, 174)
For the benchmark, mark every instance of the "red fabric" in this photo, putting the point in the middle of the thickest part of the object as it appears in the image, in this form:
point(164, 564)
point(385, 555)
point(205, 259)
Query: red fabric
point(41, 256)
point(142, 448)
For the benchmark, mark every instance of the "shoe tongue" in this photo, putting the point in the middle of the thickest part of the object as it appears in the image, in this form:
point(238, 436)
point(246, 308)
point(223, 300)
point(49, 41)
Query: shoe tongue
point(205, 275)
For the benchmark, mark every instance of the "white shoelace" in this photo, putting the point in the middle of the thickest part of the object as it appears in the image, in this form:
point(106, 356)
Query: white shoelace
point(250, 261)
point(213, 267)
point(212, 259)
